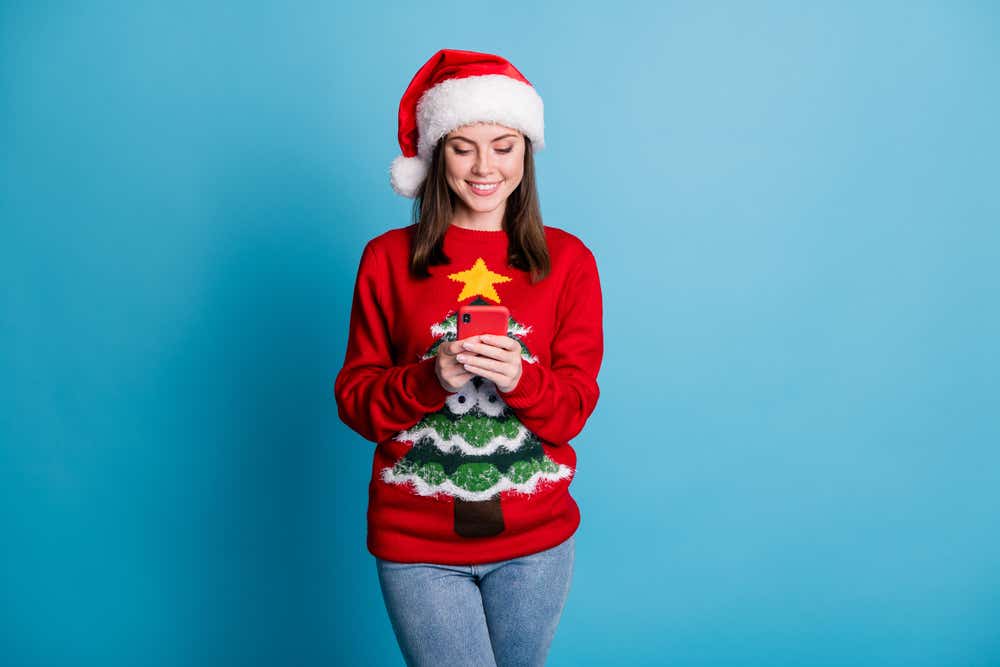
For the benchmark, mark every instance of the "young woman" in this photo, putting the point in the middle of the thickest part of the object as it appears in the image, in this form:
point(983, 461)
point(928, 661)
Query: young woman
point(470, 518)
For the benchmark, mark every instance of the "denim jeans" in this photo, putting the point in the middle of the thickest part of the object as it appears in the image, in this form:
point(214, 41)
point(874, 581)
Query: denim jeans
point(488, 615)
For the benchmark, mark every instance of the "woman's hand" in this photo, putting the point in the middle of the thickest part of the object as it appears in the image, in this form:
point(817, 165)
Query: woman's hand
point(496, 358)
point(450, 373)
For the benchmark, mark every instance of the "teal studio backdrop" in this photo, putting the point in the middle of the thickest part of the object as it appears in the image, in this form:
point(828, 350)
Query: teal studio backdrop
point(794, 208)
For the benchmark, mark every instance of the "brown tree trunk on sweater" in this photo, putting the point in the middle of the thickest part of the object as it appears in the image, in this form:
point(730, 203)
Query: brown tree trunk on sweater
point(480, 518)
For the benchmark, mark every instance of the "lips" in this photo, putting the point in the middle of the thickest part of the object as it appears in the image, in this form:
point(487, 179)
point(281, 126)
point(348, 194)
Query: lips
point(479, 189)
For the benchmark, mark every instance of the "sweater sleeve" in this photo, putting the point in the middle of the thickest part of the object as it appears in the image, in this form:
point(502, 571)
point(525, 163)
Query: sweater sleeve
point(375, 397)
point(554, 403)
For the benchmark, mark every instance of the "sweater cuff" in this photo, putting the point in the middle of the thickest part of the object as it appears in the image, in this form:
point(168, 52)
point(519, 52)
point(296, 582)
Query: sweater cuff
point(425, 386)
point(526, 391)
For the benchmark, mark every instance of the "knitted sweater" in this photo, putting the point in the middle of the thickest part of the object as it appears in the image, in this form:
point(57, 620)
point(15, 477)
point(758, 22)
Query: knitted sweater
point(478, 475)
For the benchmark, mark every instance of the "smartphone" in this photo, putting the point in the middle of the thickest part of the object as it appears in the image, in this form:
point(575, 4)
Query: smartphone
point(475, 320)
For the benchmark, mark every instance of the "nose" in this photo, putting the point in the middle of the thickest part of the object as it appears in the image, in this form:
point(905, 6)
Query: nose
point(481, 166)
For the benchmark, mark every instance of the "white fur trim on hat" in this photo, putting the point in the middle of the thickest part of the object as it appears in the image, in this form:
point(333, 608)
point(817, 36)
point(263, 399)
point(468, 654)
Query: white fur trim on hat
point(490, 98)
point(407, 174)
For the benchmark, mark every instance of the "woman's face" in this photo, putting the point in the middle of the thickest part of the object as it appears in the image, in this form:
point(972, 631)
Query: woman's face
point(486, 155)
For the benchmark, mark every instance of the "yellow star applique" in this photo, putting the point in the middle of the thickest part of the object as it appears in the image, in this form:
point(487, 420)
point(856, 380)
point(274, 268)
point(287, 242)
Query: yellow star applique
point(478, 280)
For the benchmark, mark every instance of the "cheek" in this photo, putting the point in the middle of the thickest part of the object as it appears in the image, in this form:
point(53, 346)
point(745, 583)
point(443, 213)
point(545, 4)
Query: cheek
point(455, 166)
point(514, 171)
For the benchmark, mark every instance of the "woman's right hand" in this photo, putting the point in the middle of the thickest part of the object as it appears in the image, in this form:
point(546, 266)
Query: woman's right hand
point(451, 373)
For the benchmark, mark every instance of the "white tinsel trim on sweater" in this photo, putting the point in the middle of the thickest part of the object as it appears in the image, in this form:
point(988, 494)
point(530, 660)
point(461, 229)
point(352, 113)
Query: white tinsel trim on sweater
point(457, 442)
point(450, 488)
point(449, 325)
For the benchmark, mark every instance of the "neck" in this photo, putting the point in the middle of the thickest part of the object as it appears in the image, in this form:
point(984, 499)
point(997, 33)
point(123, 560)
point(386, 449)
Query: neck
point(464, 216)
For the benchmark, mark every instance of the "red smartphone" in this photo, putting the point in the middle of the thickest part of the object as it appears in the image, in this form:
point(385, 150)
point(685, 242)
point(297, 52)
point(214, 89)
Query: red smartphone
point(475, 320)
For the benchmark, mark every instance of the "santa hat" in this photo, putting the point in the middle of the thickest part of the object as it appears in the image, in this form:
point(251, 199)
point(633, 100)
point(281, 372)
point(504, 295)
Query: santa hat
point(456, 88)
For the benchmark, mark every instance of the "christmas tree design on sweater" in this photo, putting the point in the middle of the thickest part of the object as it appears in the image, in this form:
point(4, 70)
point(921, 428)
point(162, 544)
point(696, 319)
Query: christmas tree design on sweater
point(474, 448)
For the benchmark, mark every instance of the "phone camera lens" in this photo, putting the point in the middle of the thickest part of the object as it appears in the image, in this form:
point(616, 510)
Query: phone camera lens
point(466, 317)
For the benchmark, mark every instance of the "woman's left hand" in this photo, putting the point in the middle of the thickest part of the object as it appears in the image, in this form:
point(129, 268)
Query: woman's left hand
point(496, 358)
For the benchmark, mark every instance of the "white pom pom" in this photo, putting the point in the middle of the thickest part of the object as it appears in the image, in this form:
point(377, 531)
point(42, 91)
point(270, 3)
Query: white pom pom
point(407, 174)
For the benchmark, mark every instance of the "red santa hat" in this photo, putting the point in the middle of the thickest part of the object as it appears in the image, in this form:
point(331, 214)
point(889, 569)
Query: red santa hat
point(456, 88)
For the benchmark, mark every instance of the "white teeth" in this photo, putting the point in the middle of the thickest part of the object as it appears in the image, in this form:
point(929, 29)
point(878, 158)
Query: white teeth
point(484, 188)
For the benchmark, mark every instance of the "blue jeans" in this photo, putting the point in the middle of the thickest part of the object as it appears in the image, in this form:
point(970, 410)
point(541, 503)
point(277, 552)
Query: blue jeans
point(487, 615)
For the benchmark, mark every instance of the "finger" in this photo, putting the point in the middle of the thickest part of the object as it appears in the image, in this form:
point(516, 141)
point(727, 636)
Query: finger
point(458, 373)
point(466, 359)
point(482, 363)
point(472, 350)
point(453, 362)
point(491, 359)
point(497, 378)
point(455, 346)
point(505, 342)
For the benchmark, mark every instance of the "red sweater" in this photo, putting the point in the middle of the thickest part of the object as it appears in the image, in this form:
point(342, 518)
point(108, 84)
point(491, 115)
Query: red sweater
point(474, 476)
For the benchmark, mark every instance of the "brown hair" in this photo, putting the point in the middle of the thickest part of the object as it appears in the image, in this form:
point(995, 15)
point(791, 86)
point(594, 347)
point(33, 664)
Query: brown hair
point(434, 205)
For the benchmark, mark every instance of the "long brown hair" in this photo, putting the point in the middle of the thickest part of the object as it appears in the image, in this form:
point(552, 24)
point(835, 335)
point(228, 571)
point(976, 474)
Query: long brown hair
point(434, 205)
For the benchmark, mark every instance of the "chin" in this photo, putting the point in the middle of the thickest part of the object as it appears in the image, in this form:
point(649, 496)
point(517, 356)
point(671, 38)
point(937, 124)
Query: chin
point(486, 208)
point(480, 206)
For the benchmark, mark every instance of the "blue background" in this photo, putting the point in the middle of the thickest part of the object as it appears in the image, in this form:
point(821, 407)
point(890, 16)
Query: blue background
point(794, 208)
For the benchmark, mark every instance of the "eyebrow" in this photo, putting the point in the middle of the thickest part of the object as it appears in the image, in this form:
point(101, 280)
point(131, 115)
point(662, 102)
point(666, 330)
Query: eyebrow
point(502, 136)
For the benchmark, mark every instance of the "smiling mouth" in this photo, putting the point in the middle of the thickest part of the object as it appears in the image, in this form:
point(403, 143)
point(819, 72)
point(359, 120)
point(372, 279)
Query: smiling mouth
point(483, 188)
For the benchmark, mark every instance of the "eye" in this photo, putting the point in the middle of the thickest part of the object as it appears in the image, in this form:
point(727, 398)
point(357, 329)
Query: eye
point(489, 400)
point(463, 400)
point(461, 152)
point(505, 150)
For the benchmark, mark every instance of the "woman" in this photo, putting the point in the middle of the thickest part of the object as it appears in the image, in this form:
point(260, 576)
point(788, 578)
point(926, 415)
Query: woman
point(470, 518)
